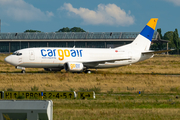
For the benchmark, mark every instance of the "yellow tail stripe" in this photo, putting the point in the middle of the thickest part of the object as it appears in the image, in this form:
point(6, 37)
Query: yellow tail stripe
point(152, 23)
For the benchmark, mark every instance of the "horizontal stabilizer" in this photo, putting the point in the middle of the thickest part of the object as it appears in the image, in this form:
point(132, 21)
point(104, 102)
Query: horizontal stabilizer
point(156, 52)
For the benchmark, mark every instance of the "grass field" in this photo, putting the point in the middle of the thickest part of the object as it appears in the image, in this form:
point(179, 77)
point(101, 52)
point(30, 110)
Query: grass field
point(117, 89)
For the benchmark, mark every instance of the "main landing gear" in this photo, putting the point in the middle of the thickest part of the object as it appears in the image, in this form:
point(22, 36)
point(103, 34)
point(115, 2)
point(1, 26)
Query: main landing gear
point(87, 71)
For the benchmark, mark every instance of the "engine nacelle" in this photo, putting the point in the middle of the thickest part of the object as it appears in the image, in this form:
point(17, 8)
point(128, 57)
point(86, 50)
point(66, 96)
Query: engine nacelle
point(73, 67)
point(52, 69)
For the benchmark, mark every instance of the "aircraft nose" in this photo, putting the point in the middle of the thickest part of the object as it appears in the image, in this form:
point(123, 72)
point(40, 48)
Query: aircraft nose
point(8, 59)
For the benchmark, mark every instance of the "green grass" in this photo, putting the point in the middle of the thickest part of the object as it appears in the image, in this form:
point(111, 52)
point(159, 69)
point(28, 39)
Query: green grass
point(113, 107)
point(118, 106)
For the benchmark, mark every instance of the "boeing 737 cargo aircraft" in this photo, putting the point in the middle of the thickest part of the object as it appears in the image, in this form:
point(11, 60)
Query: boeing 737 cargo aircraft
point(82, 59)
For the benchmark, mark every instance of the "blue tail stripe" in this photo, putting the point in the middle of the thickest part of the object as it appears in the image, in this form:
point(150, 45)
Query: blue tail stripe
point(147, 32)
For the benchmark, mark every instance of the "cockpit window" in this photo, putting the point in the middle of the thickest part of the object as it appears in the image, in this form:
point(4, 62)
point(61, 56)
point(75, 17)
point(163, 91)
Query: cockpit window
point(17, 53)
point(14, 53)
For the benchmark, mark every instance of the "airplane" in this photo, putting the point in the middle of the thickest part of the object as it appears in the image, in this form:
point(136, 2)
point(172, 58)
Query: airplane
point(83, 59)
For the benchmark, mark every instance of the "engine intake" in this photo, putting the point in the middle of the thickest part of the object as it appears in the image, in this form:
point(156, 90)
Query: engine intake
point(73, 67)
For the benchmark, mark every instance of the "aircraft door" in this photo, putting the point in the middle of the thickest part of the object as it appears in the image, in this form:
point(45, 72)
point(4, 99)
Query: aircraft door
point(31, 55)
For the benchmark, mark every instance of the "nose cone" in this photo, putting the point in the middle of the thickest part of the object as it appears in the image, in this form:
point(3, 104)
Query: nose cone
point(11, 59)
point(8, 59)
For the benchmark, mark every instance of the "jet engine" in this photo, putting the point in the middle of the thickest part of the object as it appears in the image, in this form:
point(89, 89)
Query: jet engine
point(73, 67)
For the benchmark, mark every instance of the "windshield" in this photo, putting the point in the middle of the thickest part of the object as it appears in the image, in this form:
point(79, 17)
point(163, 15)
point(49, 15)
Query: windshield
point(17, 53)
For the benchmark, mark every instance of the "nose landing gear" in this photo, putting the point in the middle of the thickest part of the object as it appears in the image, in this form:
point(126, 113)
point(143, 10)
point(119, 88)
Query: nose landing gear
point(22, 68)
point(23, 71)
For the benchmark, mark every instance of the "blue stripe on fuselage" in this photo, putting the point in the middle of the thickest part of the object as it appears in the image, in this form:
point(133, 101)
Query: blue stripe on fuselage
point(147, 32)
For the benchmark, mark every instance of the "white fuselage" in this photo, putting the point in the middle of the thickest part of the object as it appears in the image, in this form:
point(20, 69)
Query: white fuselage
point(56, 57)
point(79, 59)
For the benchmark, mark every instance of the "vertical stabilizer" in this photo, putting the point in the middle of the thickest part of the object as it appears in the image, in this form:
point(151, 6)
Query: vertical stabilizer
point(143, 40)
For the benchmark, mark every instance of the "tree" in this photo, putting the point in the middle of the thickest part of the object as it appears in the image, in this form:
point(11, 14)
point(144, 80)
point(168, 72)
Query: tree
point(74, 29)
point(159, 31)
point(32, 31)
point(77, 29)
point(176, 40)
point(169, 36)
point(159, 45)
point(64, 30)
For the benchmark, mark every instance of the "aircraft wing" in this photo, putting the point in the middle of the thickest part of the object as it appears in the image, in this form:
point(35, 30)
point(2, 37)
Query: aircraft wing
point(96, 62)
point(156, 52)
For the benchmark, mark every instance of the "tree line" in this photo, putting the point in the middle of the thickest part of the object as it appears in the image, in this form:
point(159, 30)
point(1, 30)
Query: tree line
point(64, 29)
point(173, 41)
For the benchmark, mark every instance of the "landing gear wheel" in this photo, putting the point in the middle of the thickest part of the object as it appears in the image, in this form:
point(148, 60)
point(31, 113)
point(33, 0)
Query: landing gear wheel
point(23, 71)
point(88, 71)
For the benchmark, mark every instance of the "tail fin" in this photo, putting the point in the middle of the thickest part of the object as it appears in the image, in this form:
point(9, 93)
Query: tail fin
point(143, 40)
